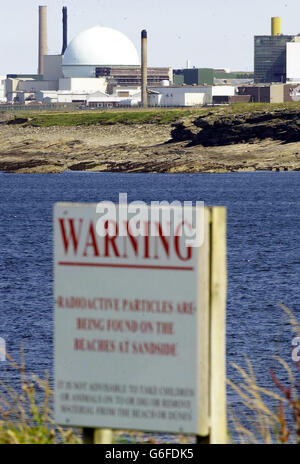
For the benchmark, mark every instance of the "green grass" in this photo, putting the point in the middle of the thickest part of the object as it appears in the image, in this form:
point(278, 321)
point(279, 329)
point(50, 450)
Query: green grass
point(271, 416)
point(239, 108)
point(26, 415)
point(89, 118)
point(140, 116)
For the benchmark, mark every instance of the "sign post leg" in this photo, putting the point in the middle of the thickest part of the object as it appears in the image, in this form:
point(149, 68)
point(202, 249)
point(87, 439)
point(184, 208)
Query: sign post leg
point(88, 436)
point(202, 440)
point(97, 436)
point(218, 284)
point(103, 437)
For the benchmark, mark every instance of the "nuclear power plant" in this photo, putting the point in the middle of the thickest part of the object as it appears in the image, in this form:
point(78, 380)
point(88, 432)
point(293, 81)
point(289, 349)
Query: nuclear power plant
point(101, 68)
point(99, 61)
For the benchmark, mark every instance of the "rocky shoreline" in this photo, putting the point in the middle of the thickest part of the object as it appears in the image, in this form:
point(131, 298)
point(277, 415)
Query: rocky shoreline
point(214, 142)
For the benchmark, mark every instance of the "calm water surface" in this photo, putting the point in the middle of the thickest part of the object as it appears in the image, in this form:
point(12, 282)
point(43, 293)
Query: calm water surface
point(263, 254)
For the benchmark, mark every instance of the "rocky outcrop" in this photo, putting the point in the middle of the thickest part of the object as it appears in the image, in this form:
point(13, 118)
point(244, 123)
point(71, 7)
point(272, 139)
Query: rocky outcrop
point(215, 129)
point(216, 141)
point(17, 121)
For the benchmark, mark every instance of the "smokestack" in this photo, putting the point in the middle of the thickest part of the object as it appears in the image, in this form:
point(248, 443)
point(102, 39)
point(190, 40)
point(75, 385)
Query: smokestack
point(65, 29)
point(43, 42)
point(144, 69)
point(276, 26)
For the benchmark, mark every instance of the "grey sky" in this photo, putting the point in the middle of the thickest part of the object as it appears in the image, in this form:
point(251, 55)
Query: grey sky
point(216, 33)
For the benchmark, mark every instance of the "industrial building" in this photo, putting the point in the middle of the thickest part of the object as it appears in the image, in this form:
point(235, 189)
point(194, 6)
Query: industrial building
point(210, 76)
point(270, 58)
point(2, 89)
point(193, 76)
point(98, 60)
point(271, 93)
point(276, 56)
point(293, 60)
point(179, 96)
point(102, 100)
point(101, 68)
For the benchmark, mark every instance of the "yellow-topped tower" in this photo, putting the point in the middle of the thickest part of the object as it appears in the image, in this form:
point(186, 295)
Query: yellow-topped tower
point(276, 26)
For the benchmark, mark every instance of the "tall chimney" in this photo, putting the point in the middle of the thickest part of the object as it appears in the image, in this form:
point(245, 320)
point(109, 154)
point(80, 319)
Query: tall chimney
point(276, 26)
point(144, 69)
point(65, 29)
point(43, 42)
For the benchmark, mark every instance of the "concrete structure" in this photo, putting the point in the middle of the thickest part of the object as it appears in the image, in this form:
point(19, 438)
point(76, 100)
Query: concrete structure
point(124, 91)
point(222, 90)
point(61, 96)
point(233, 81)
point(88, 85)
point(144, 69)
point(97, 99)
point(263, 93)
point(180, 96)
point(277, 57)
point(101, 100)
point(193, 76)
point(234, 77)
point(270, 56)
point(43, 38)
point(230, 100)
point(2, 89)
point(292, 92)
point(271, 93)
point(52, 68)
point(132, 75)
point(117, 61)
point(293, 60)
point(198, 76)
point(210, 76)
point(16, 87)
point(12, 87)
point(99, 59)
point(98, 47)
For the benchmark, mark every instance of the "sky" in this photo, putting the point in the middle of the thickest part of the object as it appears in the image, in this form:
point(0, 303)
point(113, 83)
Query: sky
point(215, 33)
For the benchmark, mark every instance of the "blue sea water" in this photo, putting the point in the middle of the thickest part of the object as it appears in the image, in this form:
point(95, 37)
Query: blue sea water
point(263, 255)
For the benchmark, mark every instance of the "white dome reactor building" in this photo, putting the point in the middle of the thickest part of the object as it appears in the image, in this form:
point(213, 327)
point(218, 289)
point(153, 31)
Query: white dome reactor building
point(98, 47)
point(100, 66)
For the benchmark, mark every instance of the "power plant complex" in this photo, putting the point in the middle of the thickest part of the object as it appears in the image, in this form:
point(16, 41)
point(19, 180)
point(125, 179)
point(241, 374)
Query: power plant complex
point(101, 67)
point(276, 56)
point(84, 68)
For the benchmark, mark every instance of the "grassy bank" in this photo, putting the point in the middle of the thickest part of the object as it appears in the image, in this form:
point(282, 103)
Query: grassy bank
point(89, 118)
point(26, 415)
point(140, 116)
point(269, 416)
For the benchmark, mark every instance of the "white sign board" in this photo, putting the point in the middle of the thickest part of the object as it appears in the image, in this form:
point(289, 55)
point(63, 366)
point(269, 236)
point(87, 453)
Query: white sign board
point(131, 326)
